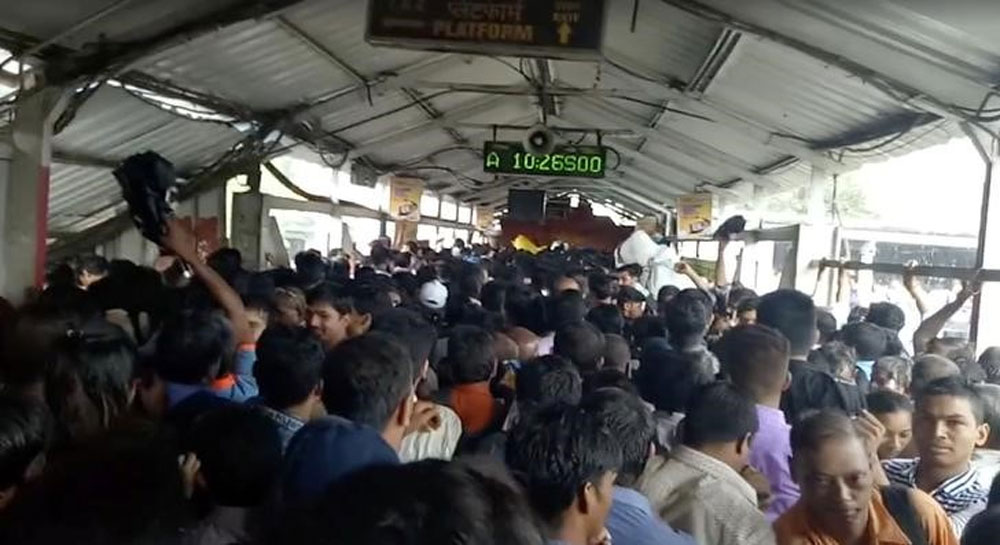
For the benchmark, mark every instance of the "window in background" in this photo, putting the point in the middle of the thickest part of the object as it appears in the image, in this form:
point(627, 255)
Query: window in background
point(449, 210)
point(302, 231)
point(427, 232)
point(429, 205)
point(464, 214)
point(363, 232)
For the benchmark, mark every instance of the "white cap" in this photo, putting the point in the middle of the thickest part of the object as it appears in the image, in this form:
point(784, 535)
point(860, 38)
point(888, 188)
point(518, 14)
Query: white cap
point(433, 294)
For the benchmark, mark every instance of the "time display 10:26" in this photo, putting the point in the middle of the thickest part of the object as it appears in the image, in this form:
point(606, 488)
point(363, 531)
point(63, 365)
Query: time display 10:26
point(510, 158)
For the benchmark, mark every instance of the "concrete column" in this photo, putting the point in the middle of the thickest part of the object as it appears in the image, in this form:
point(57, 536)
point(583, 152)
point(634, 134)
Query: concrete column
point(248, 223)
point(26, 192)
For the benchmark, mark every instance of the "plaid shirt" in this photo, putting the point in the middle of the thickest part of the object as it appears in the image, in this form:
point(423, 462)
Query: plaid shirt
point(961, 496)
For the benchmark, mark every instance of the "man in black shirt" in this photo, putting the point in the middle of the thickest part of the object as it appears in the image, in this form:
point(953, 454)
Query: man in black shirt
point(812, 387)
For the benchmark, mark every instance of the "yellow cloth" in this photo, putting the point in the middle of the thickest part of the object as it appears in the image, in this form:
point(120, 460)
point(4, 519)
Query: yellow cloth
point(522, 242)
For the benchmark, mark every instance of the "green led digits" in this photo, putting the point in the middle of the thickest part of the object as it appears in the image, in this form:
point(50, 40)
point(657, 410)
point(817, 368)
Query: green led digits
point(566, 161)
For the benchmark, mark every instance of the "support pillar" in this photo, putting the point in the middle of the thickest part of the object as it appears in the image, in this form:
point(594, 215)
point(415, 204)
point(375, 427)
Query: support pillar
point(26, 192)
point(248, 222)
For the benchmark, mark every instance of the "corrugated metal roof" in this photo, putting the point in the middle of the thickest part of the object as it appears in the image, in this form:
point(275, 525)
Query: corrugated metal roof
point(767, 85)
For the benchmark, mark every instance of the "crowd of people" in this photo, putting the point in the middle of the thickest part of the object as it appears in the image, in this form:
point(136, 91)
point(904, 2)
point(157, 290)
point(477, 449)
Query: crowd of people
point(477, 396)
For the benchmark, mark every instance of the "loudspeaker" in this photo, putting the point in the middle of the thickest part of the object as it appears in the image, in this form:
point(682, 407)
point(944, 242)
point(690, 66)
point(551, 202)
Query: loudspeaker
point(539, 140)
point(526, 205)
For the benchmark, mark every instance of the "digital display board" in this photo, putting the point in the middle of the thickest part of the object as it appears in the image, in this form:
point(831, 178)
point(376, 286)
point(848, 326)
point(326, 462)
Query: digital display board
point(570, 29)
point(564, 161)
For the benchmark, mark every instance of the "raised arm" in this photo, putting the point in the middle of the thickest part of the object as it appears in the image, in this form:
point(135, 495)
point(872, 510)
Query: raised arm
point(182, 242)
point(933, 324)
point(721, 278)
point(914, 289)
point(687, 270)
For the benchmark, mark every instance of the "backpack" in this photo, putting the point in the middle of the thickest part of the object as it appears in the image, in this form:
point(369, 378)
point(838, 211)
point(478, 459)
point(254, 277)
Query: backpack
point(899, 503)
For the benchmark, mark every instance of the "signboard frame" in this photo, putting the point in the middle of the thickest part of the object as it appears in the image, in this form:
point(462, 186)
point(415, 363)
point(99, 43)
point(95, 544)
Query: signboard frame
point(491, 147)
point(476, 45)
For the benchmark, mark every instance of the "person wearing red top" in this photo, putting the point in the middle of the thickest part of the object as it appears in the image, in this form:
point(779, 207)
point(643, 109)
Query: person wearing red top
point(468, 367)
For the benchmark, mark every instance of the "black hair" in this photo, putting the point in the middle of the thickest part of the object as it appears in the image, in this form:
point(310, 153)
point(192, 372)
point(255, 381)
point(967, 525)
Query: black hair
point(470, 356)
point(366, 378)
point(887, 401)
point(411, 330)
point(953, 387)
point(617, 353)
point(226, 261)
point(88, 386)
point(630, 423)
point(407, 284)
point(555, 452)
point(494, 297)
point(566, 307)
point(632, 269)
point(310, 269)
point(755, 358)
point(93, 264)
point(791, 312)
point(608, 378)
point(818, 427)
point(240, 453)
point(527, 308)
point(894, 367)
point(289, 365)
point(826, 324)
point(388, 505)
point(687, 317)
point(119, 489)
point(930, 367)
point(989, 360)
point(665, 294)
point(602, 286)
point(886, 315)
point(868, 340)
point(191, 347)
point(668, 378)
point(25, 428)
point(718, 413)
point(582, 344)
point(836, 357)
point(648, 327)
point(332, 295)
point(983, 528)
point(547, 380)
point(627, 294)
point(607, 318)
point(740, 297)
point(370, 297)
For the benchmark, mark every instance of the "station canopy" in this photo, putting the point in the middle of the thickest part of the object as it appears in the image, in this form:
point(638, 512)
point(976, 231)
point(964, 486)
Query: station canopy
point(735, 97)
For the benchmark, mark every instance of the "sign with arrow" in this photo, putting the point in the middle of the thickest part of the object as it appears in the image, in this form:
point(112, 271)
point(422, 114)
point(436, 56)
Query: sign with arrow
point(568, 29)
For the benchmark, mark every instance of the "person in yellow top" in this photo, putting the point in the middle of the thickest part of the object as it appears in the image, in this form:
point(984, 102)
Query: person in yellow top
point(840, 502)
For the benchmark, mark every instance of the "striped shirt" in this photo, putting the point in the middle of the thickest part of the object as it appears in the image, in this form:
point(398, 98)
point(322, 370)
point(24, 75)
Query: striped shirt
point(961, 496)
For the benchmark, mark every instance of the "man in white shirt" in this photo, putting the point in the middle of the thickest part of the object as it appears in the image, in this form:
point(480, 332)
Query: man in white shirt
point(657, 260)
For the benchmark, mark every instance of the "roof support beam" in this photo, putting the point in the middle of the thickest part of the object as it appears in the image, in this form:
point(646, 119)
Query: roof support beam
point(114, 58)
point(321, 50)
point(471, 109)
point(683, 145)
point(905, 93)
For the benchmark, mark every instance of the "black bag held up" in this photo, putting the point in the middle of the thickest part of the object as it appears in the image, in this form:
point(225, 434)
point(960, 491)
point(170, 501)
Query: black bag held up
point(145, 179)
point(732, 226)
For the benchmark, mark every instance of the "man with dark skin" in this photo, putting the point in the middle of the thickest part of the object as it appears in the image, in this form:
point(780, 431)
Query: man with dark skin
point(840, 504)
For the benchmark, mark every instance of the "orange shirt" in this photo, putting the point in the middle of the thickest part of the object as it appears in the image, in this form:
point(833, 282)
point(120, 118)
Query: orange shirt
point(795, 528)
point(474, 405)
